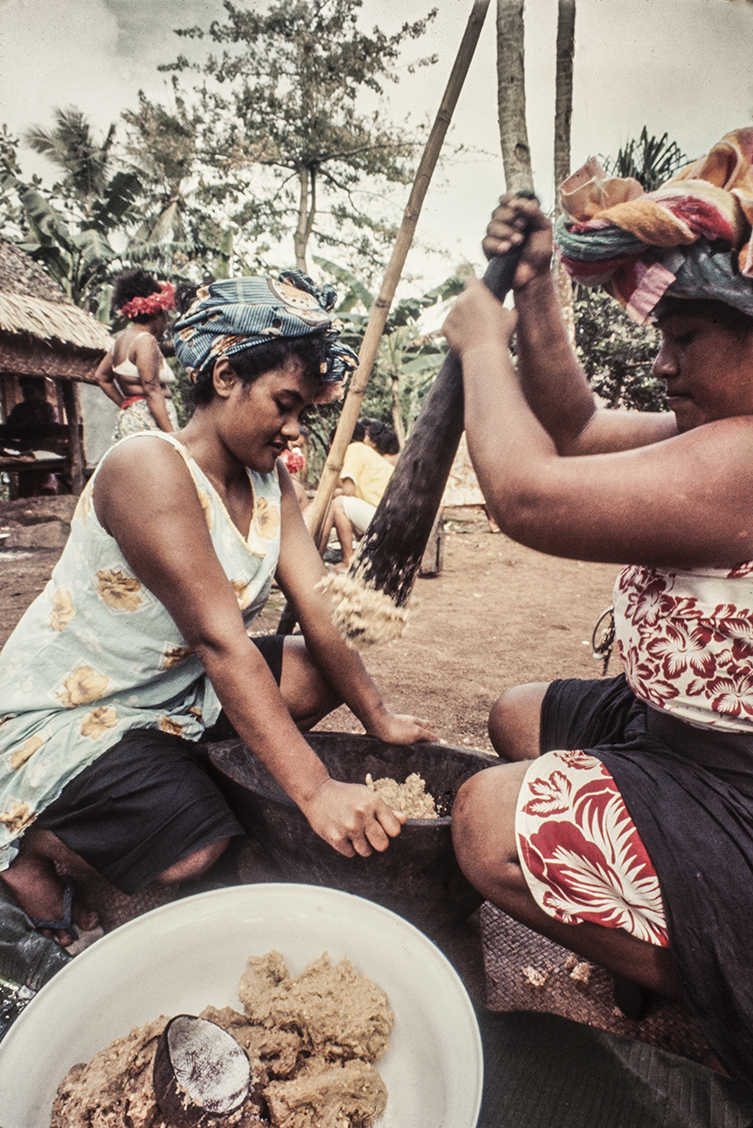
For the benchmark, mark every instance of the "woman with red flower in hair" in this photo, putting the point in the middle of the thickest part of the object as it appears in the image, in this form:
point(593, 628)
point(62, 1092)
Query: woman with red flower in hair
point(134, 374)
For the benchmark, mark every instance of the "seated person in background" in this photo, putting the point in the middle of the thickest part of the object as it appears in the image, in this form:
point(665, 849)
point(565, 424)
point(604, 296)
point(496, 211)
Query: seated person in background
point(33, 411)
point(134, 373)
point(363, 480)
point(383, 437)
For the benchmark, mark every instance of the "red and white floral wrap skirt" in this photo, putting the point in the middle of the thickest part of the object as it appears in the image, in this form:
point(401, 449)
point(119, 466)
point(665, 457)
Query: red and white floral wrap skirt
point(581, 854)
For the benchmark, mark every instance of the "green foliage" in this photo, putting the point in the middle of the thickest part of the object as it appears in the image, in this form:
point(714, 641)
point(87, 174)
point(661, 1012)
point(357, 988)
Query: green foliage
point(259, 140)
point(617, 354)
point(407, 360)
point(11, 208)
point(84, 162)
point(182, 393)
point(166, 142)
point(78, 260)
point(406, 363)
point(648, 159)
point(90, 224)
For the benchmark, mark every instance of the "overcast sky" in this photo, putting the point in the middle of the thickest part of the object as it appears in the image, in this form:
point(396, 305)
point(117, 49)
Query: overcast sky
point(683, 66)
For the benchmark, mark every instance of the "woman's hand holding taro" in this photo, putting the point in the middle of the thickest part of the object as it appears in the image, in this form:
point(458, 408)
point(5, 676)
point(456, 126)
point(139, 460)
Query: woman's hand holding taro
point(351, 818)
point(514, 220)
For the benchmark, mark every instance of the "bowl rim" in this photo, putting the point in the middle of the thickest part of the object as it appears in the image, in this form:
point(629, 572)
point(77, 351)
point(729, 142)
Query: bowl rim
point(282, 799)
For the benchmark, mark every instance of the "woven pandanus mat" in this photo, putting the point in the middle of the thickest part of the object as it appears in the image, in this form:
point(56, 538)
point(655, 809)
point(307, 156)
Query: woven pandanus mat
point(528, 972)
point(115, 908)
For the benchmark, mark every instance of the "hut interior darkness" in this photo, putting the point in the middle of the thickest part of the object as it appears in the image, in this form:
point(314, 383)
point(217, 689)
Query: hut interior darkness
point(44, 340)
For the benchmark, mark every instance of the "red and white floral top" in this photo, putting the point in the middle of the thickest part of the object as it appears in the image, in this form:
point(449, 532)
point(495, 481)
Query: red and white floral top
point(686, 641)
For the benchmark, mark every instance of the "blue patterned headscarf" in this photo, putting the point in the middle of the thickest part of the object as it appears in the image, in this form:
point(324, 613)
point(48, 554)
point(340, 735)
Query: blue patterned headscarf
point(231, 316)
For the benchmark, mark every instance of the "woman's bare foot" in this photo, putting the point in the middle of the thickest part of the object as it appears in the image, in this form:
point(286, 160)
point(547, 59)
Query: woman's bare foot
point(45, 897)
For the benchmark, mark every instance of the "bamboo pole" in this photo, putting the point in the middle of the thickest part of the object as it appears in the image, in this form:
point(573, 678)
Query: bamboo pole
point(380, 309)
point(330, 476)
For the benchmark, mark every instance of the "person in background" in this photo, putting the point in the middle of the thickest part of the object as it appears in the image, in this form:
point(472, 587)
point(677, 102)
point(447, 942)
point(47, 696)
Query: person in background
point(620, 823)
point(384, 439)
point(33, 411)
point(134, 373)
point(363, 479)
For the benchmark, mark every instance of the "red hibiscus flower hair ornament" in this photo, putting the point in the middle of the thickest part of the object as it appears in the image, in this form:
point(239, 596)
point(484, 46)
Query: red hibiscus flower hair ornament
point(162, 299)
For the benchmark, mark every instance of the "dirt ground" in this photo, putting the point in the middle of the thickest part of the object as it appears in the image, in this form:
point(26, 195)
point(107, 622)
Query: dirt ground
point(496, 615)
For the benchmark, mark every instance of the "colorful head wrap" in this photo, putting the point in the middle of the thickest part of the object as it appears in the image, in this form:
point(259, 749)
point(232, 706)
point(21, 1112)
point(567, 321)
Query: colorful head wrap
point(691, 238)
point(161, 299)
point(231, 316)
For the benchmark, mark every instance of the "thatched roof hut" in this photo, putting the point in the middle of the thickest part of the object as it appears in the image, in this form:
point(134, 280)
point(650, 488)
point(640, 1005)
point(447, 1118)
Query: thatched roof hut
point(41, 332)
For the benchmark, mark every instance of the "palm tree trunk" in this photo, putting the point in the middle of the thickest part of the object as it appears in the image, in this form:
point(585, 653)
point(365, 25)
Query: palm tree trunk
point(563, 97)
point(300, 237)
point(511, 96)
point(311, 208)
point(563, 112)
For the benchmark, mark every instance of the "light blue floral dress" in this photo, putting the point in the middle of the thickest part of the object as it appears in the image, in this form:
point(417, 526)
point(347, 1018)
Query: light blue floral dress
point(96, 654)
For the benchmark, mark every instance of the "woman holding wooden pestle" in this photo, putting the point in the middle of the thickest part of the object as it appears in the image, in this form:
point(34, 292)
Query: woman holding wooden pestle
point(140, 642)
point(621, 825)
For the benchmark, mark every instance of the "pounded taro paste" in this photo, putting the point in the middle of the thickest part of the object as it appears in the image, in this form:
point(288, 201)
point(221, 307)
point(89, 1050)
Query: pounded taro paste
point(312, 1042)
point(410, 797)
point(361, 612)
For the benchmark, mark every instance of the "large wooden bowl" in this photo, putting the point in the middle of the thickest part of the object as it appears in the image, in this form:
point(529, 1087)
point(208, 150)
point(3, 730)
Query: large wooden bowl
point(417, 876)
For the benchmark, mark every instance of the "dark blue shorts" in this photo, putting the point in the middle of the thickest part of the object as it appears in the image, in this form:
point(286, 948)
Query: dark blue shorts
point(150, 800)
point(689, 793)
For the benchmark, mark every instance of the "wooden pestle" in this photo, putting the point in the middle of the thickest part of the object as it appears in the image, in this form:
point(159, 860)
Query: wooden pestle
point(390, 552)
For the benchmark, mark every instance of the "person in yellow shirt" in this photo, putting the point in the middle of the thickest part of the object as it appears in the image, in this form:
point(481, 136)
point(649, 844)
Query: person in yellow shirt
point(363, 480)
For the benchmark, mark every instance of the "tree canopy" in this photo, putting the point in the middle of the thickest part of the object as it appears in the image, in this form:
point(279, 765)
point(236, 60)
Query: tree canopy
point(272, 130)
point(84, 161)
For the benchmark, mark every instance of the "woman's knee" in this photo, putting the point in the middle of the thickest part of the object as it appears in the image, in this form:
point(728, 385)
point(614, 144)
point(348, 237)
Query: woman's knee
point(307, 694)
point(483, 822)
point(195, 864)
point(515, 720)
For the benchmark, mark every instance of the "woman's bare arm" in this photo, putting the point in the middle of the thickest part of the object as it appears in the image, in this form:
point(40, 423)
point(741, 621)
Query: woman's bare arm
point(677, 502)
point(166, 542)
point(148, 360)
point(105, 377)
point(554, 382)
point(299, 574)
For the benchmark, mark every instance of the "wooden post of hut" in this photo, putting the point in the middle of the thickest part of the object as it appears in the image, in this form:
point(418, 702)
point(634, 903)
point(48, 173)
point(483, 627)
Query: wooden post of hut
point(42, 334)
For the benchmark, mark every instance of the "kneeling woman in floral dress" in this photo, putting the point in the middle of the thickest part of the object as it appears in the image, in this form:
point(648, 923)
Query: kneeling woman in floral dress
point(124, 664)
